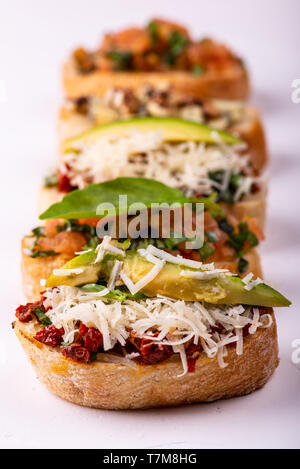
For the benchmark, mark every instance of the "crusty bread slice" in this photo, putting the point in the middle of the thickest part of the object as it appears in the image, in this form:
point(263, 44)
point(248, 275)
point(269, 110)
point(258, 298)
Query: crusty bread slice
point(35, 269)
point(250, 129)
point(231, 83)
point(117, 386)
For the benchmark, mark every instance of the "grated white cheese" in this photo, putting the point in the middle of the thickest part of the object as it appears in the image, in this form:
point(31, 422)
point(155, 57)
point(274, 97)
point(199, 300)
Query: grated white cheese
point(183, 165)
point(177, 322)
point(204, 275)
point(106, 246)
point(136, 287)
point(114, 275)
point(249, 283)
point(67, 272)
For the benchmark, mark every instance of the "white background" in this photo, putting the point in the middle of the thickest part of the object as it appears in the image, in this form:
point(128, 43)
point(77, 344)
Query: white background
point(35, 38)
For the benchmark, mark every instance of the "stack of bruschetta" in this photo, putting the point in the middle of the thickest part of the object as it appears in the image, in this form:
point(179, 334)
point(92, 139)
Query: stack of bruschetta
point(119, 321)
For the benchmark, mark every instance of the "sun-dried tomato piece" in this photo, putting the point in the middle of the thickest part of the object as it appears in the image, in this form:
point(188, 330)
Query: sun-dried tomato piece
point(24, 312)
point(64, 184)
point(76, 352)
point(192, 354)
point(151, 353)
point(92, 338)
point(50, 335)
point(156, 354)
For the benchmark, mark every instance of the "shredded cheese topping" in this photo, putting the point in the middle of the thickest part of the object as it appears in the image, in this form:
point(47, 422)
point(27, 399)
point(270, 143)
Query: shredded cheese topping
point(177, 322)
point(249, 283)
point(182, 165)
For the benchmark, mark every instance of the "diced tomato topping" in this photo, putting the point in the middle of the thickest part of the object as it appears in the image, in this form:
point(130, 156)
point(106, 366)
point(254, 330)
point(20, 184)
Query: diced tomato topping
point(64, 184)
point(50, 335)
point(92, 338)
point(254, 227)
point(24, 312)
point(76, 352)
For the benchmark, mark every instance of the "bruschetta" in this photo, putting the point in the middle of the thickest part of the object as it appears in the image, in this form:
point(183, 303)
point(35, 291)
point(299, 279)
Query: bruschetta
point(162, 52)
point(126, 330)
point(226, 241)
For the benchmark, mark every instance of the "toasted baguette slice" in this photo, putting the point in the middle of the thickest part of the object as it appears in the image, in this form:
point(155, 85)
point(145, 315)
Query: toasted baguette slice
point(35, 269)
point(254, 206)
point(231, 83)
point(119, 386)
point(250, 129)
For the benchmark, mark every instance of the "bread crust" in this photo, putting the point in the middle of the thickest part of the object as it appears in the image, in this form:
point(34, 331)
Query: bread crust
point(35, 269)
point(231, 83)
point(114, 386)
point(47, 197)
point(255, 207)
point(250, 129)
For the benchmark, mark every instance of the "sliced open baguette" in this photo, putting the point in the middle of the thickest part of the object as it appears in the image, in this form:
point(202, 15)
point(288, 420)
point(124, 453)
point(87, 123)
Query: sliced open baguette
point(230, 83)
point(118, 386)
point(35, 269)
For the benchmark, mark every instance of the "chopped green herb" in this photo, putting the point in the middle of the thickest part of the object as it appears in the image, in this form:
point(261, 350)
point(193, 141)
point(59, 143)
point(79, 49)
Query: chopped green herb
point(206, 251)
point(226, 195)
point(117, 294)
point(237, 240)
point(91, 244)
point(197, 70)
point(122, 60)
point(177, 44)
point(93, 356)
point(40, 314)
point(43, 254)
point(225, 226)
point(212, 236)
point(243, 265)
point(152, 28)
point(38, 232)
point(74, 225)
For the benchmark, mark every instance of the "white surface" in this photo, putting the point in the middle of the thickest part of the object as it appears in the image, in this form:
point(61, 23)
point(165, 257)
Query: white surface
point(35, 38)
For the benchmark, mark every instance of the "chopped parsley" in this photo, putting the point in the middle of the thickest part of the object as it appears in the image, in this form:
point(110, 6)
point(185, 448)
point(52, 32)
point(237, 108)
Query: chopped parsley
point(237, 240)
point(177, 44)
point(243, 265)
point(35, 254)
point(227, 195)
point(152, 28)
point(198, 70)
point(122, 60)
point(40, 314)
point(206, 251)
point(119, 294)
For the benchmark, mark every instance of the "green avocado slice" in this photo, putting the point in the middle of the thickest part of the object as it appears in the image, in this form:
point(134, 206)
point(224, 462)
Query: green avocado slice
point(89, 271)
point(224, 289)
point(173, 129)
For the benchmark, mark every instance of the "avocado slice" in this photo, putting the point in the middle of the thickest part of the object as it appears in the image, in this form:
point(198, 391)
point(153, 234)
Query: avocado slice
point(224, 289)
point(173, 129)
point(90, 272)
